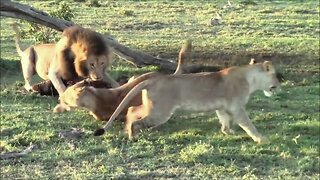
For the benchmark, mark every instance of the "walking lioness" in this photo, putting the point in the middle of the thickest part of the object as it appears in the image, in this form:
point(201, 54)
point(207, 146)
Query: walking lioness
point(226, 91)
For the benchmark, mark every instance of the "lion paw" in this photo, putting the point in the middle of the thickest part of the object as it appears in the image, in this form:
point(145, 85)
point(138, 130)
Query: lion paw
point(61, 108)
point(227, 131)
point(262, 140)
point(28, 87)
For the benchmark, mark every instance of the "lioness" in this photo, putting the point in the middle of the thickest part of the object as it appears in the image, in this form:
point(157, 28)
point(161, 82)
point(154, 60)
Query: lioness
point(102, 102)
point(80, 53)
point(226, 91)
point(34, 59)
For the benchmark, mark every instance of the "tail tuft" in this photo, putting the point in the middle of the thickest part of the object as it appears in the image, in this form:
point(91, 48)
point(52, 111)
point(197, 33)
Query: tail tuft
point(99, 132)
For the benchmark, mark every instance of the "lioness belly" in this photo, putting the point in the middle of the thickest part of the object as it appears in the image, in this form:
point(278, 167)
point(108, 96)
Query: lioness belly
point(202, 105)
point(199, 94)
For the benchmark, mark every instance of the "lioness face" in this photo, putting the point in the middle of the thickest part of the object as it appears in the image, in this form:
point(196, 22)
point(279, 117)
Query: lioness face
point(269, 79)
point(71, 96)
point(97, 66)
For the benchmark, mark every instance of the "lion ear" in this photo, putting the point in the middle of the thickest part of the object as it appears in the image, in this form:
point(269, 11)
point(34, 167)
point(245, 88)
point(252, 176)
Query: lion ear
point(267, 65)
point(82, 88)
point(85, 50)
point(131, 79)
point(252, 61)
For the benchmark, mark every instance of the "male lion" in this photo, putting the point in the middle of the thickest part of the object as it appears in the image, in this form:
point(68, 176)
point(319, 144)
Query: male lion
point(226, 91)
point(102, 102)
point(80, 53)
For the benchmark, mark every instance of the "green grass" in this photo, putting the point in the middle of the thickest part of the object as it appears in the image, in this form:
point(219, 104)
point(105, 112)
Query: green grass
point(190, 145)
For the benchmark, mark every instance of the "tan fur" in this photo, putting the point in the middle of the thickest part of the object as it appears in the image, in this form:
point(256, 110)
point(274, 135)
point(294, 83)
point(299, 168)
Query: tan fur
point(185, 53)
point(103, 102)
point(34, 59)
point(73, 57)
point(226, 91)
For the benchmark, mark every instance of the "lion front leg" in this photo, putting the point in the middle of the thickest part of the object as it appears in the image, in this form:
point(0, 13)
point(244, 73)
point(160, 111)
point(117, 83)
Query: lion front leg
point(55, 75)
point(241, 117)
point(224, 119)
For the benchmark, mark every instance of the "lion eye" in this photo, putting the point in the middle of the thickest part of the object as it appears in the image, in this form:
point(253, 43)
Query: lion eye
point(92, 65)
point(102, 63)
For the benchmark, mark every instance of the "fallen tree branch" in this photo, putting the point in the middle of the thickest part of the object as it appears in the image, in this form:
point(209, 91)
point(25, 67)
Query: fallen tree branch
point(18, 154)
point(25, 12)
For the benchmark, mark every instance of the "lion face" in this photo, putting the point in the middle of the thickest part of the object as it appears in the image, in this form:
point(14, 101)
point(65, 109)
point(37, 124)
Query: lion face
point(72, 95)
point(96, 66)
point(79, 95)
point(269, 79)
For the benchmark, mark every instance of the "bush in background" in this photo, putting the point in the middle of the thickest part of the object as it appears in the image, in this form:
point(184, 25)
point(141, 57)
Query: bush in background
point(42, 34)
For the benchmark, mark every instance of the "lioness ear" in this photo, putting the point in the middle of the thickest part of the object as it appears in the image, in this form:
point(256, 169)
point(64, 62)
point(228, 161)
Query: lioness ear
point(85, 50)
point(82, 88)
point(267, 65)
point(131, 79)
point(253, 61)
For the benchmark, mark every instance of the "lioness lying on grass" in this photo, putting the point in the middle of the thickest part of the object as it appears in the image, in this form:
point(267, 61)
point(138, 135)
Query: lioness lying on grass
point(102, 102)
point(226, 91)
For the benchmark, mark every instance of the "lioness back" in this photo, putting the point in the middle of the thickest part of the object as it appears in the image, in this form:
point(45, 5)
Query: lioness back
point(211, 86)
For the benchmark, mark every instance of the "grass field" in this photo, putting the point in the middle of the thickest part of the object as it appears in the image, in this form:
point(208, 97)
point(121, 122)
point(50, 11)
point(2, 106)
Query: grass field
point(190, 145)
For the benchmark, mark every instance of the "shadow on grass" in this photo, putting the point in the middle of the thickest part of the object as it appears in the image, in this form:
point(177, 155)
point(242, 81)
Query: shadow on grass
point(9, 65)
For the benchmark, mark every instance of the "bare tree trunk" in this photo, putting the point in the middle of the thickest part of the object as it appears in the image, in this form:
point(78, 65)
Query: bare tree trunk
point(25, 12)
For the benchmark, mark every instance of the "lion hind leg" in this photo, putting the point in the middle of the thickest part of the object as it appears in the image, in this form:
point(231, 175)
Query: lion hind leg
point(135, 113)
point(147, 122)
point(141, 117)
point(224, 119)
point(245, 123)
point(28, 69)
point(131, 117)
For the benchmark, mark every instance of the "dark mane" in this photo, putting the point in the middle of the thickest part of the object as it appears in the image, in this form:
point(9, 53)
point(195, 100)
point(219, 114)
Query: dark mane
point(93, 40)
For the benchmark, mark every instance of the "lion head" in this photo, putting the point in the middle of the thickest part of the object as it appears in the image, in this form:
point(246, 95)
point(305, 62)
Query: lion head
point(72, 97)
point(267, 78)
point(92, 55)
point(96, 66)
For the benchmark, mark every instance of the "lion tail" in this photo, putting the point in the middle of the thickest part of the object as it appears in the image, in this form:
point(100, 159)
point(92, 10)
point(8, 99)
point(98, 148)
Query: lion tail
point(132, 93)
point(184, 53)
point(17, 40)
